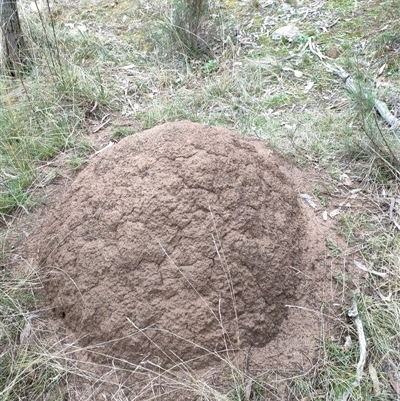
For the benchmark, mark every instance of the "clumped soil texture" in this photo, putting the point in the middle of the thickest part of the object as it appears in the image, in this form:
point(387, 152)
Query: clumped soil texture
point(177, 242)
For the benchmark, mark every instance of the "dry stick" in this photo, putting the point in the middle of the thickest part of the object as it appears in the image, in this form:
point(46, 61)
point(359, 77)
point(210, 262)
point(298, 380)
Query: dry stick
point(368, 269)
point(102, 124)
point(348, 81)
point(353, 313)
point(378, 104)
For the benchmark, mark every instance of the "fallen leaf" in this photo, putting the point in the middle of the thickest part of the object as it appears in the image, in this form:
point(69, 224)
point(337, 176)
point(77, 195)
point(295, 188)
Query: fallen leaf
point(297, 73)
point(25, 333)
point(308, 87)
point(382, 69)
point(334, 213)
point(307, 198)
point(346, 180)
point(390, 370)
point(394, 381)
point(289, 32)
point(386, 299)
point(368, 269)
point(374, 378)
point(347, 342)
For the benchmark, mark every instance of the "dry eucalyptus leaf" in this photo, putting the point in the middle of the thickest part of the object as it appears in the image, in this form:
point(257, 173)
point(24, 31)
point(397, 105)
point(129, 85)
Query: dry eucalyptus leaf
point(394, 381)
point(347, 342)
point(297, 73)
point(307, 199)
point(368, 269)
point(382, 69)
point(386, 299)
point(346, 180)
point(308, 87)
point(288, 32)
point(25, 333)
point(374, 378)
point(334, 213)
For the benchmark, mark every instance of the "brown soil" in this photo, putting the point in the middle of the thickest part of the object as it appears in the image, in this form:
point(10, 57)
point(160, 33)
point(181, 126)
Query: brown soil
point(181, 242)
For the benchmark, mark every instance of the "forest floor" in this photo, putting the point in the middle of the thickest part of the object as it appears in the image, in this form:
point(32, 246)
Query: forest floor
point(101, 71)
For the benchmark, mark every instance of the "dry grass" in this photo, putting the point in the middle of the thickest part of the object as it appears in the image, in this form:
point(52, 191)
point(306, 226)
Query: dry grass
point(112, 59)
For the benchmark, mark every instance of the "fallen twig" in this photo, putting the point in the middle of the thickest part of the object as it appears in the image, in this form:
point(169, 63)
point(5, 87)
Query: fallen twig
point(104, 121)
point(368, 269)
point(102, 149)
point(308, 200)
point(380, 106)
point(386, 114)
point(353, 313)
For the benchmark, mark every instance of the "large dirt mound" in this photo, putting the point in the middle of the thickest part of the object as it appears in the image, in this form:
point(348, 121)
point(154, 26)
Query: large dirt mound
point(178, 241)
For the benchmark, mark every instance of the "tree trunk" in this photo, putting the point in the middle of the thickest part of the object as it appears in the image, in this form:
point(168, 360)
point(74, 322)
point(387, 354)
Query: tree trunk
point(13, 54)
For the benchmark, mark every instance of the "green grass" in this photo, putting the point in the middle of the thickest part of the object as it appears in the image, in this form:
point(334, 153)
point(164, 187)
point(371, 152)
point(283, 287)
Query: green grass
point(335, 373)
point(35, 132)
point(122, 132)
point(42, 113)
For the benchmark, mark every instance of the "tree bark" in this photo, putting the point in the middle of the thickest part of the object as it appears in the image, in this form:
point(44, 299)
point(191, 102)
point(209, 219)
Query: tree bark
point(12, 46)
